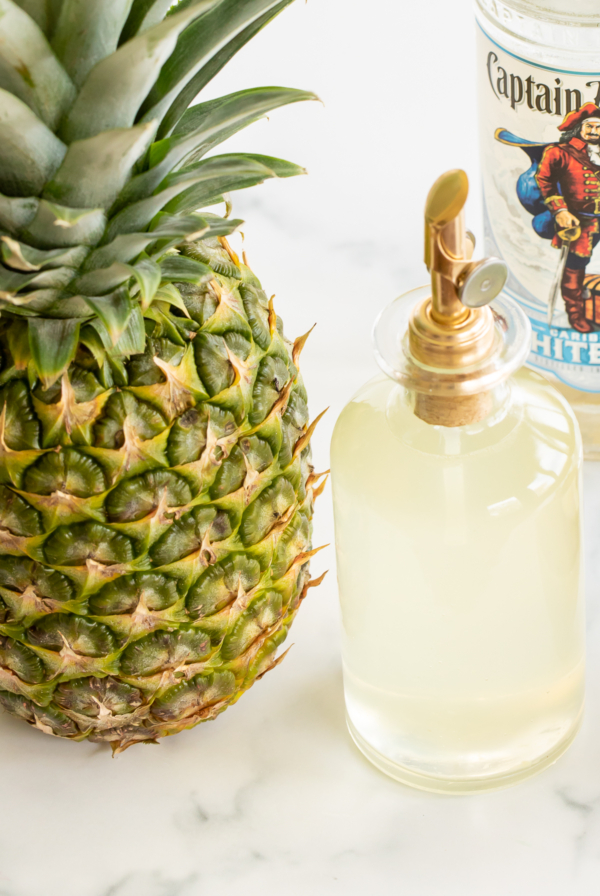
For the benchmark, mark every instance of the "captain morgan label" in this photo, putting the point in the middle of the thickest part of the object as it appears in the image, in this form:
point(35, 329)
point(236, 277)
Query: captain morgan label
point(521, 106)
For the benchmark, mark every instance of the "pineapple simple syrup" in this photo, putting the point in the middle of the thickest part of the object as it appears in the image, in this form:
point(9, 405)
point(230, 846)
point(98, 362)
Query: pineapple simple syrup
point(539, 108)
point(459, 549)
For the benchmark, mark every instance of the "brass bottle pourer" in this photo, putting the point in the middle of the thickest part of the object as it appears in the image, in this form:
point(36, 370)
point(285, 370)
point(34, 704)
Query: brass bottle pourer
point(440, 342)
point(454, 328)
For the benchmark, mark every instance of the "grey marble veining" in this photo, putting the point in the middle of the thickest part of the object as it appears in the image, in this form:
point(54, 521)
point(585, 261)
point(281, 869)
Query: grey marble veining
point(151, 885)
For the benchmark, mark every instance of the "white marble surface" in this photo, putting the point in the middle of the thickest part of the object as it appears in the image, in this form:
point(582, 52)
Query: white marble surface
point(273, 797)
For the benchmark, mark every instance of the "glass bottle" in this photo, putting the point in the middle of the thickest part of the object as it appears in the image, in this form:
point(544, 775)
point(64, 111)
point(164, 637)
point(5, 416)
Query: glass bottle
point(456, 482)
point(539, 110)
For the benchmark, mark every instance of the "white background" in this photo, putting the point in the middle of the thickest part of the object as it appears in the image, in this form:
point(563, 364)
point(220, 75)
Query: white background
point(273, 797)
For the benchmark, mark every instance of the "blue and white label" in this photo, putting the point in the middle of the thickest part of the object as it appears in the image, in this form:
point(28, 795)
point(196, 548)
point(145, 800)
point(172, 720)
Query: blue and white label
point(540, 152)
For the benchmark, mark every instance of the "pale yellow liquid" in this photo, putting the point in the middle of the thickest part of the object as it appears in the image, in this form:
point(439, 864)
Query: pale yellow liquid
point(586, 406)
point(459, 567)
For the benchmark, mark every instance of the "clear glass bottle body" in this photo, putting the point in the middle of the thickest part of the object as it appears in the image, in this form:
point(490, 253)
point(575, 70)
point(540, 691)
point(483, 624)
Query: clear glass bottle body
point(460, 585)
point(556, 43)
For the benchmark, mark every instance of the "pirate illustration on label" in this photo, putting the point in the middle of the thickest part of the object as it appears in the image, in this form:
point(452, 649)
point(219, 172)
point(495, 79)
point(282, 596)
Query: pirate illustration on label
point(561, 190)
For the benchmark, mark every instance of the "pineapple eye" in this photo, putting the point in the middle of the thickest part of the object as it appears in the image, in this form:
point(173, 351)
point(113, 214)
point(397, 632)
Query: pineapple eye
point(213, 363)
point(230, 476)
point(258, 453)
point(220, 584)
point(256, 306)
point(120, 596)
point(296, 413)
point(85, 386)
point(200, 300)
point(165, 650)
point(266, 510)
point(44, 717)
point(21, 426)
point(293, 424)
point(124, 594)
point(18, 573)
point(186, 536)
point(80, 635)
point(58, 722)
point(74, 545)
point(91, 696)
point(17, 706)
point(262, 613)
point(241, 570)
point(222, 423)
point(195, 696)
point(135, 498)
point(21, 660)
point(272, 377)
point(187, 438)
point(179, 541)
point(142, 371)
point(213, 254)
point(221, 527)
point(144, 419)
point(294, 540)
point(68, 471)
point(238, 344)
point(17, 515)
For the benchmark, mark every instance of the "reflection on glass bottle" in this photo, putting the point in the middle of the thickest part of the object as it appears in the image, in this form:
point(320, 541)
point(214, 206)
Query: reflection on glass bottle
point(456, 480)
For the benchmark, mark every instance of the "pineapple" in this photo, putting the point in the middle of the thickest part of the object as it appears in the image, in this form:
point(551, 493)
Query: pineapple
point(156, 490)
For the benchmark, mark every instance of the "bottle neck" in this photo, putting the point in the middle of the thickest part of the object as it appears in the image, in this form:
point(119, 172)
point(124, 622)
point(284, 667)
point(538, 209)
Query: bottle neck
point(569, 29)
point(504, 412)
point(460, 410)
point(579, 13)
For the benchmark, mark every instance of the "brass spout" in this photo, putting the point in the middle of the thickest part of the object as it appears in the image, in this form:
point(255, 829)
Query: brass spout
point(453, 328)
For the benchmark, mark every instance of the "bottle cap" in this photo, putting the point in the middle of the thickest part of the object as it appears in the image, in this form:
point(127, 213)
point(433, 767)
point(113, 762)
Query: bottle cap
point(446, 342)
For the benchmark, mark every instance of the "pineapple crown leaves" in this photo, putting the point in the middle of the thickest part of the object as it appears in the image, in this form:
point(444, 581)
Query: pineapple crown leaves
point(104, 165)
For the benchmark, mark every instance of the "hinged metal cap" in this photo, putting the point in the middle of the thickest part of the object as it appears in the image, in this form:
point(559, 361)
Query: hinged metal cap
point(453, 328)
point(441, 341)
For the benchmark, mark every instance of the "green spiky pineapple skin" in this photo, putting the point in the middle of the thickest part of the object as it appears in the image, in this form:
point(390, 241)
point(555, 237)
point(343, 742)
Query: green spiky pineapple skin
point(154, 529)
point(156, 491)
